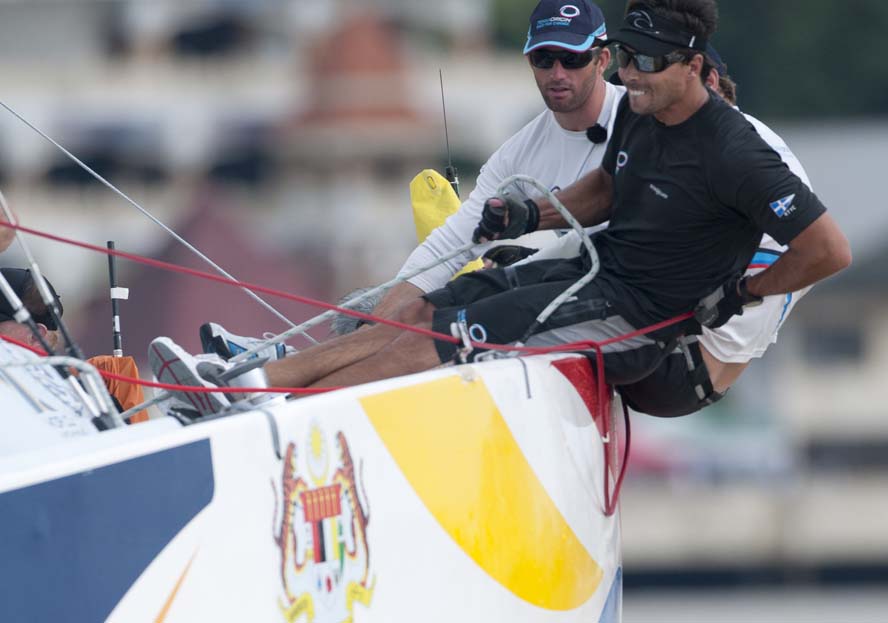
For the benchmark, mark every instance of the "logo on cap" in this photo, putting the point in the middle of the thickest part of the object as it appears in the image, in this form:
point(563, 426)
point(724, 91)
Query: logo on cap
point(641, 20)
point(570, 11)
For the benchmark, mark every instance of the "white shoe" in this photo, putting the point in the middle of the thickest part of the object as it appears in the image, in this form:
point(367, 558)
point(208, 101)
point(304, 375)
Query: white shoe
point(173, 366)
point(216, 340)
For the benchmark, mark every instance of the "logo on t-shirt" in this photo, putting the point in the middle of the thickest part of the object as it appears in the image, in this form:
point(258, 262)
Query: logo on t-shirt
point(660, 193)
point(783, 207)
point(622, 160)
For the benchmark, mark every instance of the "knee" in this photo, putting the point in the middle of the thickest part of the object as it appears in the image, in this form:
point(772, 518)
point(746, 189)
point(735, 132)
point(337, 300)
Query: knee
point(417, 311)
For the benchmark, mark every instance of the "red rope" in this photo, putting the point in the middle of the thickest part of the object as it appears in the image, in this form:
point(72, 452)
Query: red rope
point(175, 268)
point(186, 388)
point(610, 501)
point(571, 347)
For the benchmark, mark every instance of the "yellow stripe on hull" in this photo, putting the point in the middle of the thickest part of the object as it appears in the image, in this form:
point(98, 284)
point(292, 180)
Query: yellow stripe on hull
point(454, 447)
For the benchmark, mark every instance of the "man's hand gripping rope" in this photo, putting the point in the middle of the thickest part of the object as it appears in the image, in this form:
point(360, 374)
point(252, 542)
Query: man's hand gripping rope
point(505, 216)
point(511, 218)
point(726, 302)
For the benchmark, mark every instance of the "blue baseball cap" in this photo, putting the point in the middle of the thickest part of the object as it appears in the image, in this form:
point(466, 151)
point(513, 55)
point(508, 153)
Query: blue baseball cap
point(574, 25)
point(715, 60)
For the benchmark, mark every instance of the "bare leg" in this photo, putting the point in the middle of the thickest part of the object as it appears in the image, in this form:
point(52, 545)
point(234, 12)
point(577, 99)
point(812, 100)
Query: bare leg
point(324, 359)
point(410, 352)
point(722, 375)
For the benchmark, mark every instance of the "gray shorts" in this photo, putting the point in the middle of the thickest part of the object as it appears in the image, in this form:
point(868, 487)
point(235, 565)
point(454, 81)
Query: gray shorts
point(500, 306)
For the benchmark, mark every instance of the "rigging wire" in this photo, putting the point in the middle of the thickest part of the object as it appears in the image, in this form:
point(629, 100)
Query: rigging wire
point(349, 304)
point(46, 296)
point(450, 171)
point(148, 215)
point(94, 399)
point(561, 348)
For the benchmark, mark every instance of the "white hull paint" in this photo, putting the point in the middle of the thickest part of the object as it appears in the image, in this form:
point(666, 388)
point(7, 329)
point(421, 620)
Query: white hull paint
point(461, 494)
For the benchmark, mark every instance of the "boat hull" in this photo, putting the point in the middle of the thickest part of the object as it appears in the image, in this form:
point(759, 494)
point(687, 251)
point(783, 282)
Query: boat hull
point(469, 493)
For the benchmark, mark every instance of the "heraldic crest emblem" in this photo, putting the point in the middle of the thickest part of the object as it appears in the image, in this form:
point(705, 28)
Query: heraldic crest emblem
point(322, 531)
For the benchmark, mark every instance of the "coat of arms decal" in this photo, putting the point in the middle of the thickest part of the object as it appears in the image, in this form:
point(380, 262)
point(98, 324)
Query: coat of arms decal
point(322, 532)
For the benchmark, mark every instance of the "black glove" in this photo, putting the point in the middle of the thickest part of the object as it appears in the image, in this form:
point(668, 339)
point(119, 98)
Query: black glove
point(524, 217)
point(727, 301)
point(508, 254)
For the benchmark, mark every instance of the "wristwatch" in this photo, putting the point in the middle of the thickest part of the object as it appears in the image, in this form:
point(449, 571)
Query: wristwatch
point(746, 297)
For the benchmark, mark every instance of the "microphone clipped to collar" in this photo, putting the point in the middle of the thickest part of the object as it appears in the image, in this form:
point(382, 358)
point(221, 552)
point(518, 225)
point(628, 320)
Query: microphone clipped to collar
point(597, 134)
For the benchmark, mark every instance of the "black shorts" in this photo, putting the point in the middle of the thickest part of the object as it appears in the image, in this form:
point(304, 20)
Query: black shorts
point(500, 306)
point(679, 386)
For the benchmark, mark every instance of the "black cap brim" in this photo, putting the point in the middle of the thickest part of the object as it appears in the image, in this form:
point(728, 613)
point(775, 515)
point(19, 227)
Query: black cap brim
point(643, 43)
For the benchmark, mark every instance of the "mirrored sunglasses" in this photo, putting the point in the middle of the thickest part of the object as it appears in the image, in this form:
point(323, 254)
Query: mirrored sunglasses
point(545, 59)
point(646, 63)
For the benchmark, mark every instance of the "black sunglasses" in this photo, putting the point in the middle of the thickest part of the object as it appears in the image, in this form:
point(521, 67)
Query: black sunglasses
point(646, 63)
point(545, 59)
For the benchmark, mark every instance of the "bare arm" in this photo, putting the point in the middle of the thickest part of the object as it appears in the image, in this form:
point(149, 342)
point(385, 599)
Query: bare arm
point(7, 235)
point(589, 199)
point(395, 298)
point(819, 251)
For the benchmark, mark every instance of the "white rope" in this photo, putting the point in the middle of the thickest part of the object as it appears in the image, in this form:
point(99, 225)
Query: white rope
point(544, 315)
point(151, 217)
point(584, 237)
point(164, 395)
point(161, 396)
point(350, 304)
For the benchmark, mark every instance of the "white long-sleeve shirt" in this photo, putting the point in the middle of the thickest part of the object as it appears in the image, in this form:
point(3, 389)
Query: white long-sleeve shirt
point(542, 150)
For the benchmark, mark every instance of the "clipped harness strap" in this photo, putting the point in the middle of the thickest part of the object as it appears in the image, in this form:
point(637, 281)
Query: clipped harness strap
point(711, 300)
point(690, 347)
point(512, 277)
point(460, 330)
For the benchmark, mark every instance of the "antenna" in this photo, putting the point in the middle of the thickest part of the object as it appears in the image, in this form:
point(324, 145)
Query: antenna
point(117, 294)
point(450, 172)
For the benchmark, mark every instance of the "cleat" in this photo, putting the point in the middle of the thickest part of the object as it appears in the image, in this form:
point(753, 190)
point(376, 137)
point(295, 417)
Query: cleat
point(217, 341)
point(172, 365)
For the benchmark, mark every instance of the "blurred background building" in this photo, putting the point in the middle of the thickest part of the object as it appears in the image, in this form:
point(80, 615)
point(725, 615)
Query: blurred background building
point(280, 137)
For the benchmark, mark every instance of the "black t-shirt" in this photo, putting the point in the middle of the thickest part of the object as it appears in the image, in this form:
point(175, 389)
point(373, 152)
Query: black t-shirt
point(690, 204)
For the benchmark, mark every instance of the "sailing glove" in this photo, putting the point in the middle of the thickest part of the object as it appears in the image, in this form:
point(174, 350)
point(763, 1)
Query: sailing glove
point(507, 254)
point(727, 301)
point(524, 217)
